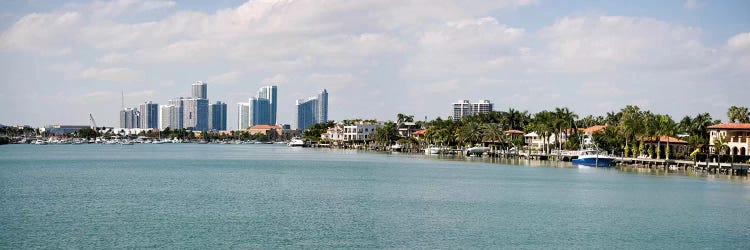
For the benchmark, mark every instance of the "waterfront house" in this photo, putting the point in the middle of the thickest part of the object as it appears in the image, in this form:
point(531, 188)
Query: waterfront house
point(335, 133)
point(534, 141)
point(736, 135)
point(406, 129)
point(360, 131)
point(677, 146)
point(588, 134)
point(514, 134)
point(419, 134)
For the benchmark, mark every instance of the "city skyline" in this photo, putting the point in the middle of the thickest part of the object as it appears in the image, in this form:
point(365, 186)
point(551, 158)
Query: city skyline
point(64, 60)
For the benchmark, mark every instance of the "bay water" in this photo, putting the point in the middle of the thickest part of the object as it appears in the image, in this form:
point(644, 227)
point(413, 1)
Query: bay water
point(273, 196)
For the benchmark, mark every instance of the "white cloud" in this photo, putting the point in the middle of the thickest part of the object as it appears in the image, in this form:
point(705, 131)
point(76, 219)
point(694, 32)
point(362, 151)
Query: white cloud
point(226, 78)
point(278, 79)
point(429, 51)
point(692, 4)
point(614, 43)
point(47, 34)
point(116, 74)
point(109, 9)
point(740, 42)
point(332, 81)
point(468, 47)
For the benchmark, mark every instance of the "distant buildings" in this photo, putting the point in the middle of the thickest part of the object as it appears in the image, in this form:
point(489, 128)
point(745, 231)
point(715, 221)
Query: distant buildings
point(259, 110)
point(169, 117)
point(217, 116)
point(149, 113)
point(269, 93)
point(195, 114)
point(200, 90)
point(62, 129)
point(313, 110)
point(464, 108)
point(130, 118)
point(243, 115)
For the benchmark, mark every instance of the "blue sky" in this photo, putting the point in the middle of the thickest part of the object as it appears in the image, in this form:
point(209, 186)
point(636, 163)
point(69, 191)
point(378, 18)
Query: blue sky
point(61, 60)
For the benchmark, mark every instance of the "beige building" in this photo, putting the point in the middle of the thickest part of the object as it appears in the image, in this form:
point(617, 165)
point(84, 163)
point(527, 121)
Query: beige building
point(737, 136)
point(263, 129)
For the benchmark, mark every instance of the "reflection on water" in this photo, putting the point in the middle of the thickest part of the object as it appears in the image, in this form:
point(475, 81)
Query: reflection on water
point(562, 164)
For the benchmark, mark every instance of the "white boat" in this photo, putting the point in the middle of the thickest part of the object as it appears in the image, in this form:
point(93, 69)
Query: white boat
point(127, 142)
point(593, 158)
point(396, 147)
point(477, 150)
point(433, 150)
point(296, 142)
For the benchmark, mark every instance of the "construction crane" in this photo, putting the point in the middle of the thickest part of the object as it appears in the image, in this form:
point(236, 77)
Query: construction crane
point(93, 122)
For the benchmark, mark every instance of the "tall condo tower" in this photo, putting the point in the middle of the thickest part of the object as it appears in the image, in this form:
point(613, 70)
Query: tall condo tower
point(200, 90)
point(149, 114)
point(465, 108)
point(269, 93)
point(312, 110)
point(217, 116)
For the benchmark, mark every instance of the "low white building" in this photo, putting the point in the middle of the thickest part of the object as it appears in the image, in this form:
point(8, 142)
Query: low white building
point(736, 136)
point(534, 141)
point(588, 134)
point(335, 133)
point(360, 131)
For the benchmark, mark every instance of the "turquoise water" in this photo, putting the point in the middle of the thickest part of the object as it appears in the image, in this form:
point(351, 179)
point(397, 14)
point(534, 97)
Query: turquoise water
point(269, 196)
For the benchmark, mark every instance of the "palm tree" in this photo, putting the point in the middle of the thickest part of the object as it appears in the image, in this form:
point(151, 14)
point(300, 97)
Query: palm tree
point(666, 128)
point(563, 121)
point(738, 114)
point(720, 144)
point(493, 132)
point(630, 123)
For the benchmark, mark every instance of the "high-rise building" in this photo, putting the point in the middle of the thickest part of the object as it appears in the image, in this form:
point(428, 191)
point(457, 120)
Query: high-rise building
point(195, 114)
point(217, 116)
point(200, 90)
point(260, 109)
point(169, 117)
point(313, 110)
point(149, 115)
point(269, 93)
point(177, 114)
point(243, 115)
point(483, 106)
point(322, 115)
point(464, 108)
point(130, 118)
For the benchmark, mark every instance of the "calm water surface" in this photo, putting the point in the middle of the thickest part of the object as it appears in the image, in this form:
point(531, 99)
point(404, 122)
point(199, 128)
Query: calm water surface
point(263, 196)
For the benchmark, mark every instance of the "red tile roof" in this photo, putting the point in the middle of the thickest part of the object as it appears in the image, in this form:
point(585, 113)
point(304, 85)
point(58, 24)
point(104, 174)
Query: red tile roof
point(663, 139)
point(513, 131)
point(265, 127)
point(419, 132)
point(594, 129)
point(730, 126)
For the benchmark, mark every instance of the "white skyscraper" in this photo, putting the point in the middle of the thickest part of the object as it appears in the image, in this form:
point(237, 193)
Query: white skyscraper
point(465, 108)
point(169, 117)
point(243, 115)
point(265, 113)
point(313, 110)
point(200, 90)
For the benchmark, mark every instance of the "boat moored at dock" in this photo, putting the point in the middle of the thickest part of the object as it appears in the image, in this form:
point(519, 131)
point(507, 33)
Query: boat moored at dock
point(593, 158)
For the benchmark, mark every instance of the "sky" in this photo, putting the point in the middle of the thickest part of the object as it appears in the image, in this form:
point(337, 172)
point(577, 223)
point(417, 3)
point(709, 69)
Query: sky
point(63, 60)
